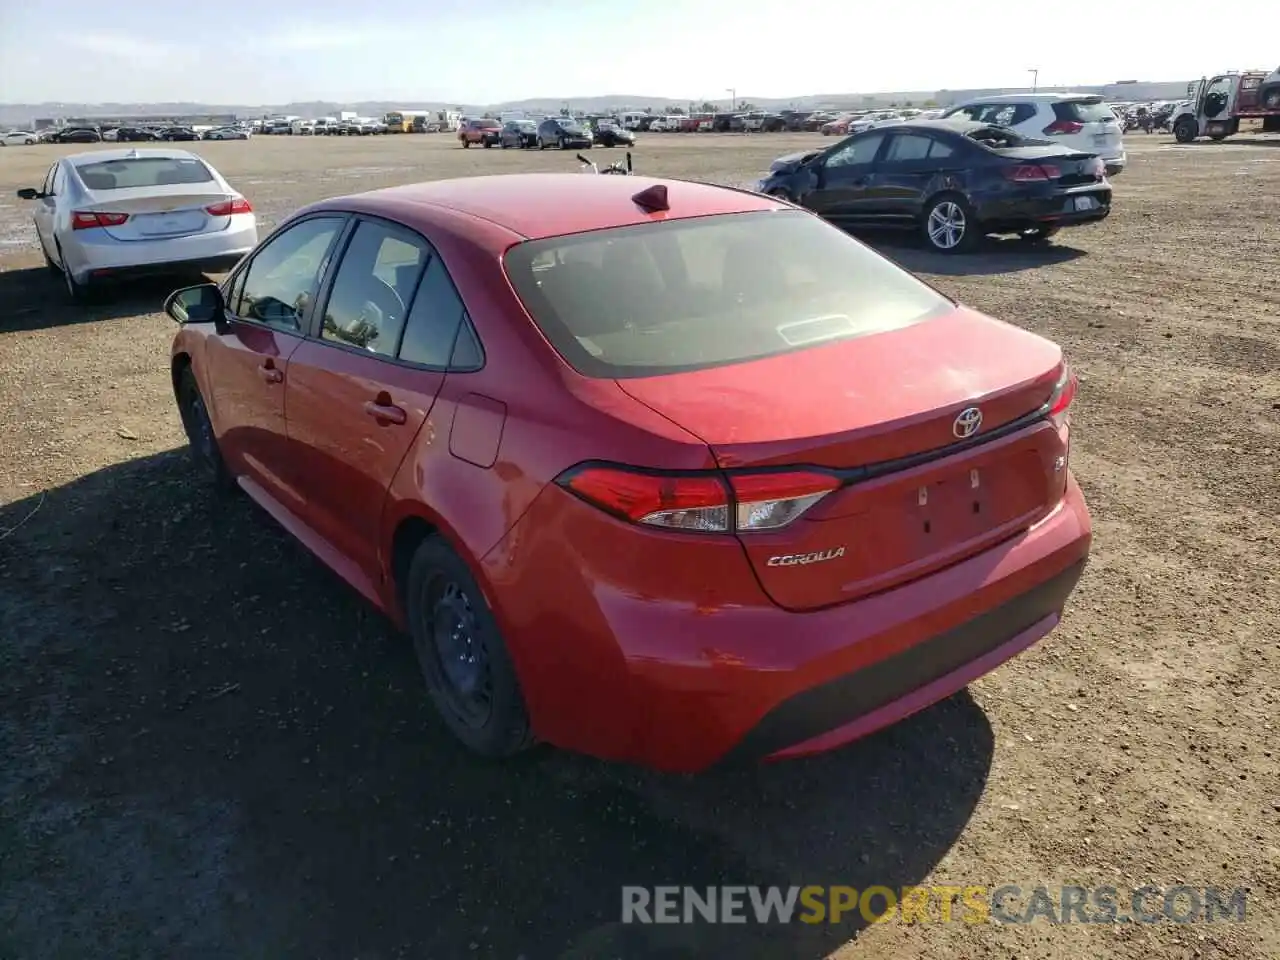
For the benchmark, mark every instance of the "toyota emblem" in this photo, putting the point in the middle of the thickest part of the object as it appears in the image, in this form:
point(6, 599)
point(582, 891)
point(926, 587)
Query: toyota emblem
point(967, 423)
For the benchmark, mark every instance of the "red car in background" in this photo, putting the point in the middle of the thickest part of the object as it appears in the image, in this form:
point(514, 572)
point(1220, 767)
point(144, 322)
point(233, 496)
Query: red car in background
point(659, 471)
point(484, 132)
point(837, 127)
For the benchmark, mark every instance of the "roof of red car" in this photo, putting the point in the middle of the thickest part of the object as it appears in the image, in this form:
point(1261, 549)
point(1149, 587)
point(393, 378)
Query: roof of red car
point(540, 205)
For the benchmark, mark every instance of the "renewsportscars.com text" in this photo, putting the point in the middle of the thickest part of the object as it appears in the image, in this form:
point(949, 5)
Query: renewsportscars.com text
point(935, 904)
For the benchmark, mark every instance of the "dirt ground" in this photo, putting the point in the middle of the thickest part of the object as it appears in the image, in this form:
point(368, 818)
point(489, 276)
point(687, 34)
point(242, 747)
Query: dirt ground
point(212, 748)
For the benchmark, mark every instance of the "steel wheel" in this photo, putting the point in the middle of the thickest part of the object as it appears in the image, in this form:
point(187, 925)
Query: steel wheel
point(947, 225)
point(456, 662)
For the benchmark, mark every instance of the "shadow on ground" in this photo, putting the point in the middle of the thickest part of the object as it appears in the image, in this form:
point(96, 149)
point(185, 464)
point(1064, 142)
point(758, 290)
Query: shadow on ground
point(36, 299)
point(994, 255)
point(213, 748)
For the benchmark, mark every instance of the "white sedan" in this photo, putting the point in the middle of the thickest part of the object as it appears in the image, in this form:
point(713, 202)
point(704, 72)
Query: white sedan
point(18, 138)
point(113, 214)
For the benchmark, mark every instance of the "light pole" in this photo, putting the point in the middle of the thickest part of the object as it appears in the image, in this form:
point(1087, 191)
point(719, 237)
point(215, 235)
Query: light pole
point(1035, 79)
point(733, 98)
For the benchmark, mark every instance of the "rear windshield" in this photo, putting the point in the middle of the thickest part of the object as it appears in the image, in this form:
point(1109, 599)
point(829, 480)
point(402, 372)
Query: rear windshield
point(690, 294)
point(1083, 111)
point(143, 172)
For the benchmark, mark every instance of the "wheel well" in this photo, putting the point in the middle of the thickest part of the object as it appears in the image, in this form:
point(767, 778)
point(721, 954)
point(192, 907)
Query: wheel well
point(404, 544)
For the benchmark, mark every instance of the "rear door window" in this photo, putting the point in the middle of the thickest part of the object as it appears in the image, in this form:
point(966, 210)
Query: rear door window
point(907, 148)
point(433, 322)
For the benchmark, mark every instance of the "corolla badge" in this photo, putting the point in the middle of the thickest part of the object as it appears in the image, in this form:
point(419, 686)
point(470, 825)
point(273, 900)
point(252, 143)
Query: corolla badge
point(804, 559)
point(967, 423)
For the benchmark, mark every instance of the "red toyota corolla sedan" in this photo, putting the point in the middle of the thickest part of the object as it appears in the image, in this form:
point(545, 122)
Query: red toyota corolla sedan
point(658, 471)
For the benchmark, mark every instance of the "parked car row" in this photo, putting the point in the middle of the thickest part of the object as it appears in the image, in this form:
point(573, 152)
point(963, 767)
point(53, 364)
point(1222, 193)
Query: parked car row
point(123, 134)
point(563, 133)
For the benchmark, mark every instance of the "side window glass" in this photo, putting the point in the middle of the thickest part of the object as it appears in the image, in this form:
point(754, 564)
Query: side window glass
point(234, 292)
point(433, 321)
point(47, 189)
point(467, 354)
point(375, 281)
point(939, 150)
point(904, 148)
point(858, 151)
point(281, 281)
point(1022, 113)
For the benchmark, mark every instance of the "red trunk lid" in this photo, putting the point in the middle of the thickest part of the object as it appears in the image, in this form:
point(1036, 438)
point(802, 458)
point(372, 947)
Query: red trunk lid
point(883, 411)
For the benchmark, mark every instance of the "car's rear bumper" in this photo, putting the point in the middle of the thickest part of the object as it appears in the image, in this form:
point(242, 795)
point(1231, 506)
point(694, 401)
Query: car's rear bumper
point(709, 671)
point(1052, 206)
point(93, 255)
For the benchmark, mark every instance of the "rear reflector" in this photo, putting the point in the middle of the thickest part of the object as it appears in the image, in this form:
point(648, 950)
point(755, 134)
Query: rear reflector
point(1063, 127)
point(229, 207)
point(88, 219)
point(700, 502)
point(1032, 172)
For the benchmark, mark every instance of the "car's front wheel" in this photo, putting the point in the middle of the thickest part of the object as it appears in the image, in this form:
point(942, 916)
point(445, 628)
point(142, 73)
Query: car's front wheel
point(201, 441)
point(468, 672)
point(948, 225)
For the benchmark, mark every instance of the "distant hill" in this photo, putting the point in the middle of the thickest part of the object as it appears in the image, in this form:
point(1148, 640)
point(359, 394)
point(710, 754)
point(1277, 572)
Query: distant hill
point(20, 114)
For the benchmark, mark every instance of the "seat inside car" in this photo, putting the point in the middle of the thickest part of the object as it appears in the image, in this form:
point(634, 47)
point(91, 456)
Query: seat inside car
point(98, 181)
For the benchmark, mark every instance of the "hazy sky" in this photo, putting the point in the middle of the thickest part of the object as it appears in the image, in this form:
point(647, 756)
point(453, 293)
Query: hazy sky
point(276, 51)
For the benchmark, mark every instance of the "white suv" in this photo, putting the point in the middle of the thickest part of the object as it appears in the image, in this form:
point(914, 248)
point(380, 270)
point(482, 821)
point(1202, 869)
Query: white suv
point(1079, 120)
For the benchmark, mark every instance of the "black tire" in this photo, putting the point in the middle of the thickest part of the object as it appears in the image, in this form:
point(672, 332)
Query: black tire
point(487, 143)
point(954, 209)
point(52, 267)
point(201, 442)
point(1186, 130)
point(480, 702)
point(1038, 235)
point(79, 293)
point(466, 144)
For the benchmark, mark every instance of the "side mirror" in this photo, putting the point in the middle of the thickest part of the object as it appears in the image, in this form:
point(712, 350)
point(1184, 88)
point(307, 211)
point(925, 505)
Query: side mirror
point(202, 303)
point(29, 193)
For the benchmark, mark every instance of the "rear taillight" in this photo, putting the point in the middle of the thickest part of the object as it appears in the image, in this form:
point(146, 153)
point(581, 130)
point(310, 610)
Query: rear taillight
point(1032, 172)
point(88, 219)
point(1063, 126)
point(700, 502)
point(228, 208)
point(1058, 407)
